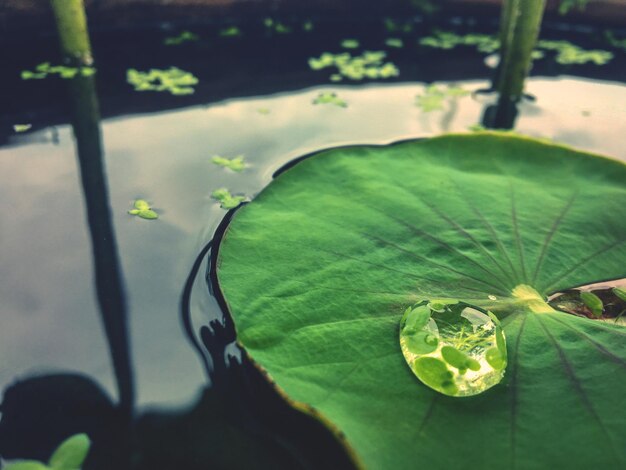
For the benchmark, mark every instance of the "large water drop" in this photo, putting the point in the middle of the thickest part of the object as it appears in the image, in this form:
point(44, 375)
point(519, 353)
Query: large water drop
point(454, 348)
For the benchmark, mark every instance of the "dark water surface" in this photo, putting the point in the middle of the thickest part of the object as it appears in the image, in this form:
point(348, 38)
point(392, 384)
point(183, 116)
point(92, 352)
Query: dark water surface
point(159, 147)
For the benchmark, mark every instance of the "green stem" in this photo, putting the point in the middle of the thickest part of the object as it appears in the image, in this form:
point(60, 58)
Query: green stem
point(71, 23)
point(521, 20)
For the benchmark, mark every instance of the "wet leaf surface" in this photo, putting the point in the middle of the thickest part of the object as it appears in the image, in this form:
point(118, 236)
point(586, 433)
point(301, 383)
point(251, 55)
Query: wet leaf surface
point(318, 270)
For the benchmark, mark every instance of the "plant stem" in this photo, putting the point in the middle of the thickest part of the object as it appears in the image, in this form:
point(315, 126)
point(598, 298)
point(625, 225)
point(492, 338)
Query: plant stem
point(71, 23)
point(521, 20)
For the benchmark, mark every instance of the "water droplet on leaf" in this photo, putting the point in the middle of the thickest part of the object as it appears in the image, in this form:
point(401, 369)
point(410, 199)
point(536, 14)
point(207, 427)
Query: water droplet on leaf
point(452, 347)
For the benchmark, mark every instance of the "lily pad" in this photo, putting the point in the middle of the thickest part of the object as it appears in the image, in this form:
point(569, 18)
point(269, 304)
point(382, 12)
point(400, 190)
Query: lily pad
point(318, 270)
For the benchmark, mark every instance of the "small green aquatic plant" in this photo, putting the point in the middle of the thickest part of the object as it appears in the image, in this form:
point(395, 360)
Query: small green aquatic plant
point(394, 42)
point(614, 41)
point(350, 44)
point(276, 26)
point(263, 111)
point(235, 164)
point(434, 97)
point(568, 5)
point(21, 127)
point(369, 64)
point(231, 31)
point(329, 97)
point(70, 455)
point(142, 209)
point(172, 80)
point(226, 199)
point(449, 40)
point(183, 37)
point(45, 69)
point(307, 26)
point(568, 53)
point(394, 26)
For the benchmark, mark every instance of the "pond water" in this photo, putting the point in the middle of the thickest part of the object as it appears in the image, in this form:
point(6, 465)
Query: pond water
point(254, 98)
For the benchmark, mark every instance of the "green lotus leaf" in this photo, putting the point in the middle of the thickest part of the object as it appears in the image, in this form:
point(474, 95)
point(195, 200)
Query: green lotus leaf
point(319, 269)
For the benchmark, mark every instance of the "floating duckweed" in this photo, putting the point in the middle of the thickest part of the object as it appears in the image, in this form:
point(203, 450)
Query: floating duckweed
point(183, 37)
point(448, 40)
point(21, 127)
point(276, 26)
point(393, 26)
point(328, 97)
point(231, 31)
point(236, 163)
point(172, 80)
point(453, 347)
point(394, 42)
point(45, 69)
point(350, 44)
point(593, 302)
point(435, 96)
point(568, 53)
point(226, 199)
point(567, 5)
point(614, 42)
point(367, 65)
point(264, 111)
point(142, 209)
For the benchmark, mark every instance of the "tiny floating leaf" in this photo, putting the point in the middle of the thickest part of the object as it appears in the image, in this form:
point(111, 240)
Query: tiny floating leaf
point(330, 98)
point(394, 42)
point(173, 80)
point(21, 127)
point(350, 44)
point(230, 32)
point(226, 199)
point(236, 163)
point(453, 347)
point(184, 36)
point(142, 209)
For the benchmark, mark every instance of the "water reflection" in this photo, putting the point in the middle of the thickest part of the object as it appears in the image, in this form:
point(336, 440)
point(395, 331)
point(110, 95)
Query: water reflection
point(108, 276)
